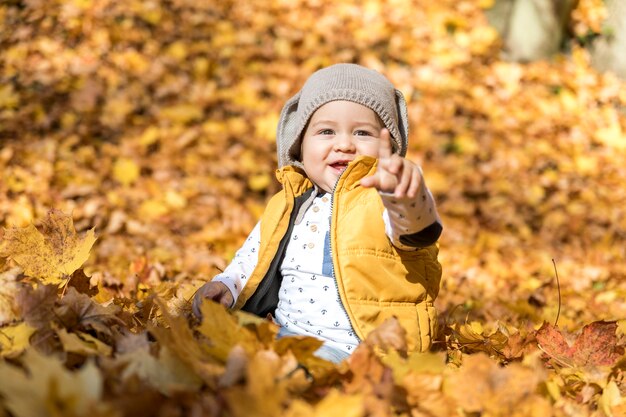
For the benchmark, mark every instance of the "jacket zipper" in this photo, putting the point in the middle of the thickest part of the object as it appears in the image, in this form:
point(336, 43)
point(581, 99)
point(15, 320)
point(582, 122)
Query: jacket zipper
point(330, 247)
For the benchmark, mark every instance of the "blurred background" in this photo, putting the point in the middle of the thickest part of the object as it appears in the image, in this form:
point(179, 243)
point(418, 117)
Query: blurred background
point(154, 123)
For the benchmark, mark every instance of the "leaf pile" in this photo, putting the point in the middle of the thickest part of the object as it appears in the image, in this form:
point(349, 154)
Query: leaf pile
point(78, 351)
point(153, 122)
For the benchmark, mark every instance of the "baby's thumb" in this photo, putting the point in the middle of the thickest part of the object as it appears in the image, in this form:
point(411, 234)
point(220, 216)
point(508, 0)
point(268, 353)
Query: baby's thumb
point(371, 181)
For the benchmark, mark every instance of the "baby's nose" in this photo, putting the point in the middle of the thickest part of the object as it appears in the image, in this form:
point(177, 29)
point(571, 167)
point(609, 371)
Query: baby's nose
point(344, 143)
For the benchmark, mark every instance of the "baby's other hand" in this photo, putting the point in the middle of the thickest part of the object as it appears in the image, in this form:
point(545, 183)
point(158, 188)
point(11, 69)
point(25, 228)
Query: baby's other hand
point(215, 291)
point(394, 174)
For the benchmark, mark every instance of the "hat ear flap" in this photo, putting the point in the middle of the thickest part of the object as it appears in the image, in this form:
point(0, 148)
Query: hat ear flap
point(286, 131)
point(403, 123)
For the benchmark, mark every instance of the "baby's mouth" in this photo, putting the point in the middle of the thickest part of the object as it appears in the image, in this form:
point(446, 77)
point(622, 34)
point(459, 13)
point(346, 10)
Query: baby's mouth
point(339, 166)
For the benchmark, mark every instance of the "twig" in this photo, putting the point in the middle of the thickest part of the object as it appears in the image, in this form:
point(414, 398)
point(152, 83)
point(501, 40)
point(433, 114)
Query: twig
point(558, 288)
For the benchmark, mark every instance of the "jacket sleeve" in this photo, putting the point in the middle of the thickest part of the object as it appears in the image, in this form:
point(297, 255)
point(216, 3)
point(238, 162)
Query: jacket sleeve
point(412, 223)
point(235, 275)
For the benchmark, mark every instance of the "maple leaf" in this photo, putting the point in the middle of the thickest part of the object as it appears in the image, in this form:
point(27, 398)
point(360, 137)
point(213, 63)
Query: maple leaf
point(78, 311)
point(51, 255)
point(223, 331)
point(389, 335)
point(37, 304)
point(166, 373)
point(471, 337)
point(82, 343)
point(597, 345)
point(46, 387)
point(261, 396)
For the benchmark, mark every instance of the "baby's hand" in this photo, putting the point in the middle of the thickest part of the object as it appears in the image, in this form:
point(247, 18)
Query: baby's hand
point(394, 174)
point(215, 291)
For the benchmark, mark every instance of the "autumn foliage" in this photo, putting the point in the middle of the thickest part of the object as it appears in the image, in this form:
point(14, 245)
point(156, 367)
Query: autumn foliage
point(136, 149)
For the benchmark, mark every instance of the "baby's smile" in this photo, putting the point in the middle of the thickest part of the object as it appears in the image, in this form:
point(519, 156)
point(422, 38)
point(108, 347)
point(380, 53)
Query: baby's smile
point(339, 166)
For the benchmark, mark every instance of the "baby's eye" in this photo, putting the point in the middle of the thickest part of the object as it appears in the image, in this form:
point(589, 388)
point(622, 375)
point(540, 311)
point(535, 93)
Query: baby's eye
point(326, 132)
point(362, 133)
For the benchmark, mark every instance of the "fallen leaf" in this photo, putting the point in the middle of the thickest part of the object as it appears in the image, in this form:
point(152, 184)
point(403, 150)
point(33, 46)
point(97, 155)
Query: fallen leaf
point(83, 343)
point(45, 387)
point(597, 345)
point(15, 339)
point(166, 373)
point(9, 288)
point(223, 331)
point(37, 304)
point(53, 254)
point(78, 311)
point(482, 386)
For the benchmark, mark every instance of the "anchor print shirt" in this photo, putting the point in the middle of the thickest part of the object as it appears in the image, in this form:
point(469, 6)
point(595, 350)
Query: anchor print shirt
point(309, 302)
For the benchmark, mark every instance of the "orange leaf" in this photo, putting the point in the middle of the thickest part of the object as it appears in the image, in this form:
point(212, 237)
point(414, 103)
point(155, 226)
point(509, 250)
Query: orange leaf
point(595, 346)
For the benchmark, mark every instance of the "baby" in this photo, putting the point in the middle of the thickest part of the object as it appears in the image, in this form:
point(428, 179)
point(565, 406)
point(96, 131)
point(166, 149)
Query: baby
point(349, 241)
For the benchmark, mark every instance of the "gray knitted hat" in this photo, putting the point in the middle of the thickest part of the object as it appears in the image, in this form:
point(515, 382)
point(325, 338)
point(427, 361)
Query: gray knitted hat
point(349, 82)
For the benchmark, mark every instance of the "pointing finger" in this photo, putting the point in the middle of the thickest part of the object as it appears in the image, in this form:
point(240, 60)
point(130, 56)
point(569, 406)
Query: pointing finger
point(384, 151)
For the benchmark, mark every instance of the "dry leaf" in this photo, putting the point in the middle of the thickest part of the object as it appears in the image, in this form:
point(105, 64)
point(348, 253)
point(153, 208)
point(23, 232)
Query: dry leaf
point(15, 339)
point(595, 346)
point(47, 388)
point(53, 254)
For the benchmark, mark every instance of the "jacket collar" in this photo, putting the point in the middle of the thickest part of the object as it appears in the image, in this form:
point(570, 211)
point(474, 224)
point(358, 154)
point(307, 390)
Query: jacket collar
point(295, 178)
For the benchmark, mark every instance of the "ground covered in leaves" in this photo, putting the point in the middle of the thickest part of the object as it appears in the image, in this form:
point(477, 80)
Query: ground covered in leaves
point(136, 149)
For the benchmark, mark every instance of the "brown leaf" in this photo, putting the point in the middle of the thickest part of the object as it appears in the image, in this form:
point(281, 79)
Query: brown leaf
point(37, 304)
point(78, 311)
point(52, 254)
point(81, 282)
point(595, 346)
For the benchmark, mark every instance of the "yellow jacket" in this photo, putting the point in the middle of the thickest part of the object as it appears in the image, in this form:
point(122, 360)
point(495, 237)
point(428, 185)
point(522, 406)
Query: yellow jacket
point(375, 279)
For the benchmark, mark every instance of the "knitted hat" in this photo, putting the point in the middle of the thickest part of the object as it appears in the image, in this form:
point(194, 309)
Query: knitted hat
point(349, 82)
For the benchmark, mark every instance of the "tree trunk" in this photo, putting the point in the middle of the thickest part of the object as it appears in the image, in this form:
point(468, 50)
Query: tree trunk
point(531, 29)
point(608, 52)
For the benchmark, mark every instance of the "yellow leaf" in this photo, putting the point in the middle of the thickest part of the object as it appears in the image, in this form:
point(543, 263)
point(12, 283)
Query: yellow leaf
point(149, 136)
point(263, 397)
point(47, 388)
point(153, 209)
point(8, 98)
point(9, 286)
point(166, 373)
point(612, 136)
point(265, 126)
point(610, 398)
point(83, 343)
point(338, 404)
point(177, 50)
point(182, 113)
point(259, 182)
point(53, 254)
point(175, 200)
point(416, 362)
point(224, 332)
point(14, 339)
point(125, 171)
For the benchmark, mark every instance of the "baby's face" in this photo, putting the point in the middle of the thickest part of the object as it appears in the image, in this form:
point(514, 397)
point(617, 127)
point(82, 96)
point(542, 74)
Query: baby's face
point(337, 133)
